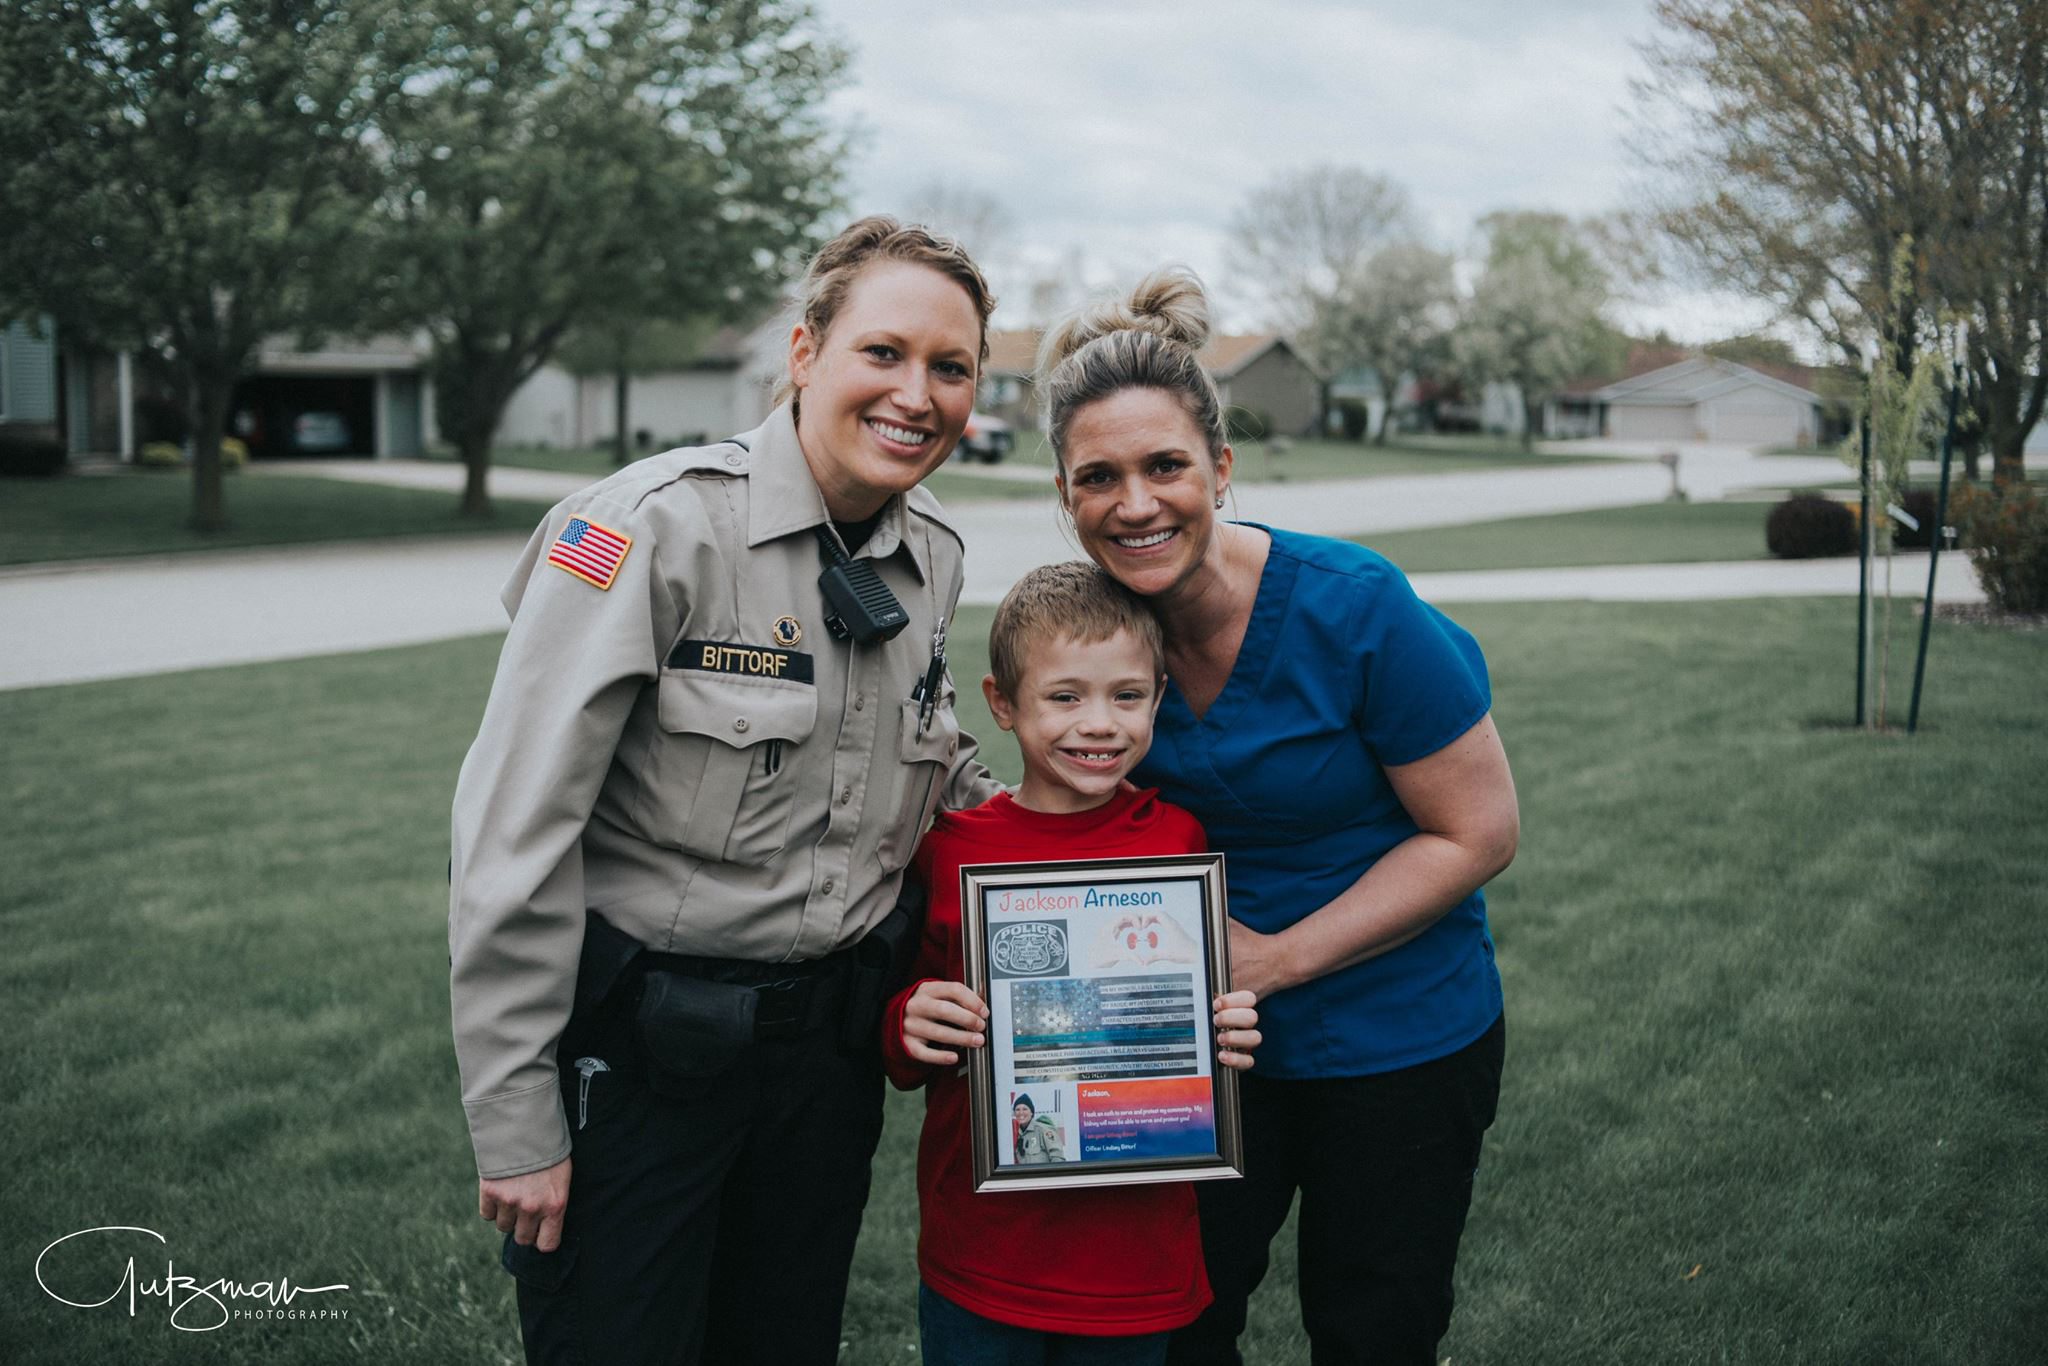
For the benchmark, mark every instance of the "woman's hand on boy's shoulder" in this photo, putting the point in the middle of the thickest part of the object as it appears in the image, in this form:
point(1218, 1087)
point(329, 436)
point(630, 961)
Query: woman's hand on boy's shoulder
point(941, 1016)
point(1237, 1031)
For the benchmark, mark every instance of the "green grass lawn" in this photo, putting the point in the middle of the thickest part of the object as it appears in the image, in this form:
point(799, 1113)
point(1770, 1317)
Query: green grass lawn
point(1652, 533)
point(1777, 997)
point(144, 512)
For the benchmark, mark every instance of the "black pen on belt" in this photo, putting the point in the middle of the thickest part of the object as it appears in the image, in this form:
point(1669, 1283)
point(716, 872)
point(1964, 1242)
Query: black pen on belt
point(925, 692)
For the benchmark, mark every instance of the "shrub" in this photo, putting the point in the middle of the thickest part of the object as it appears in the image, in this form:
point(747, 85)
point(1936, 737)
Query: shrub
point(2007, 532)
point(234, 453)
point(30, 457)
point(1808, 525)
point(160, 455)
point(1248, 424)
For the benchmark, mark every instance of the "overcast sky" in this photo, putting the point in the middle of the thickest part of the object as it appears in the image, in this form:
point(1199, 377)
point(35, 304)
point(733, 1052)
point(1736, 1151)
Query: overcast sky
point(1131, 129)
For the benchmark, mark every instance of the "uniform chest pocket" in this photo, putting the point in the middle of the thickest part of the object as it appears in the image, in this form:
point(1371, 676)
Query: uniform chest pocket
point(725, 782)
point(926, 756)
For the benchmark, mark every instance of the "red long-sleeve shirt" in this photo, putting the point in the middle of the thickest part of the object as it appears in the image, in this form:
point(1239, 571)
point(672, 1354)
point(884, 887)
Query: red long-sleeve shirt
point(1106, 1261)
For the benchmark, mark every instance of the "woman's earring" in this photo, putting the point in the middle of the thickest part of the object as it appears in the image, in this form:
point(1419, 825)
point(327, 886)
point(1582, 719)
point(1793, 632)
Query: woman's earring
point(1219, 501)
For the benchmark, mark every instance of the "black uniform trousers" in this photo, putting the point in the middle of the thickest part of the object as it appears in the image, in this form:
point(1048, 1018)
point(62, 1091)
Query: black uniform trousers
point(712, 1221)
point(1384, 1164)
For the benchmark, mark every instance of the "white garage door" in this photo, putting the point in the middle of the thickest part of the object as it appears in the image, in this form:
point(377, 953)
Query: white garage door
point(1652, 422)
point(1762, 426)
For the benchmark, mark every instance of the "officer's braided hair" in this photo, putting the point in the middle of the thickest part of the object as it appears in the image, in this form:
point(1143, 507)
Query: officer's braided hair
point(879, 237)
point(1146, 340)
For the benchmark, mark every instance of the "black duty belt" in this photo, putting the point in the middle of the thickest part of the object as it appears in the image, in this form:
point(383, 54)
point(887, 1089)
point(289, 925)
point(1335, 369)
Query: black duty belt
point(791, 999)
point(740, 999)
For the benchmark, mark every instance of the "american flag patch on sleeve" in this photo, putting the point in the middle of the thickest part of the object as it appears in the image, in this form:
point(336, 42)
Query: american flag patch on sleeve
point(591, 552)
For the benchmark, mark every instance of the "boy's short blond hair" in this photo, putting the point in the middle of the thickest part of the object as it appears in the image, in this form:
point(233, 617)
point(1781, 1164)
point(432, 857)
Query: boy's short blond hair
point(1075, 601)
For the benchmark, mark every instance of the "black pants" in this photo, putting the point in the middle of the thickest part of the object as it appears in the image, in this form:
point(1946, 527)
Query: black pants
point(714, 1226)
point(1384, 1165)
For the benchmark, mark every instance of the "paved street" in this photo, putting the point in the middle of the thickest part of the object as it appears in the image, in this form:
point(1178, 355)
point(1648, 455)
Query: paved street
point(1006, 537)
point(114, 618)
point(189, 611)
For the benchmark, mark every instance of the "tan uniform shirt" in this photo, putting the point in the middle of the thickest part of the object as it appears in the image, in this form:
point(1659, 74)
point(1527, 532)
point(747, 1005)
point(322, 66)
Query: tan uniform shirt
point(687, 751)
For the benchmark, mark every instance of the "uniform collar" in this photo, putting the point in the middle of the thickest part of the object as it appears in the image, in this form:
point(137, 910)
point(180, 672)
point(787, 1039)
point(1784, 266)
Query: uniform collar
point(783, 498)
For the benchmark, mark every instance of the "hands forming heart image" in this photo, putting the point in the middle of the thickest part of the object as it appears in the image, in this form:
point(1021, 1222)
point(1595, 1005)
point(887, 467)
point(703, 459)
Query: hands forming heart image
point(1143, 940)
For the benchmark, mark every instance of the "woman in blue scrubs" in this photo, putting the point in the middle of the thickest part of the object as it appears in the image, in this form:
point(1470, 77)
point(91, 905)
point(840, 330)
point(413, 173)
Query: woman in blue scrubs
point(1334, 735)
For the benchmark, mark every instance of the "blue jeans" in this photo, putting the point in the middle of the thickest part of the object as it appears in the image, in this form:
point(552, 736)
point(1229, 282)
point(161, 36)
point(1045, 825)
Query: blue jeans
point(952, 1336)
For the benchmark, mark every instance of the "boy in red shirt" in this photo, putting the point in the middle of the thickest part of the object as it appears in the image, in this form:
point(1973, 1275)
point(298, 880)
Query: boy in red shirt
point(1103, 1274)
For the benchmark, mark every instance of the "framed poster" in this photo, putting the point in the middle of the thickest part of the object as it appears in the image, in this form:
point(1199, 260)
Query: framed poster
point(1100, 1067)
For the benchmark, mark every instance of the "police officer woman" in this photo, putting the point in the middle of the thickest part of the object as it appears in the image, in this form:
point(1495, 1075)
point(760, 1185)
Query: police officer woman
point(719, 725)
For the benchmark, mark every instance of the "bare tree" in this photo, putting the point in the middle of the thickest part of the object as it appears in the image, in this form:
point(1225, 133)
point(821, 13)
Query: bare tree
point(1053, 288)
point(1810, 137)
point(1304, 239)
point(981, 222)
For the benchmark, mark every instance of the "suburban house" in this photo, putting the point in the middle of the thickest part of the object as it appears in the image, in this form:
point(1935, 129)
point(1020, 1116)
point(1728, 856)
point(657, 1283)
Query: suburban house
point(1008, 390)
point(51, 390)
point(366, 397)
point(1361, 385)
point(728, 388)
point(1263, 373)
point(1664, 394)
point(1254, 372)
point(372, 397)
point(28, 379)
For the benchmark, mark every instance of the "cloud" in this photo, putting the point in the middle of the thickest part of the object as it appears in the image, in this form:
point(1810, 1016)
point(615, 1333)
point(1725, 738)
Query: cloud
point(1133, 130)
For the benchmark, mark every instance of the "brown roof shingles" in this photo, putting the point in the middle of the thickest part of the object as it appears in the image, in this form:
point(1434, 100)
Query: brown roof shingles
point(1643, 358)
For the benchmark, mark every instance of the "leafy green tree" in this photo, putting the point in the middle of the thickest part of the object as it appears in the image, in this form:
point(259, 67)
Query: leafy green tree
point(565, 165)
point(193, 177)
point(1535, 318)
point(1396, 317)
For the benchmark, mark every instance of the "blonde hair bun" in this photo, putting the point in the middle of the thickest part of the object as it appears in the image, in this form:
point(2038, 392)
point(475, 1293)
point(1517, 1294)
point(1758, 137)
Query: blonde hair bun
point(1169, 303)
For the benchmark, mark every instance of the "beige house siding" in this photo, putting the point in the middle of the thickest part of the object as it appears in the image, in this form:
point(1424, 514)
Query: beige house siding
point(1279, 385)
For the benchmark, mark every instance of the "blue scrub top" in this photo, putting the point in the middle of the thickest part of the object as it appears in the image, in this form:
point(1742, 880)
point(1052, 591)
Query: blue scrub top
point(1343, 669)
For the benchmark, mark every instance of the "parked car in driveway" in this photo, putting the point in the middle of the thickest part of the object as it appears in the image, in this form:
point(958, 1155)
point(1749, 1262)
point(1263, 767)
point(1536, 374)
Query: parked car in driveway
point(987, 439)
point(320, 432)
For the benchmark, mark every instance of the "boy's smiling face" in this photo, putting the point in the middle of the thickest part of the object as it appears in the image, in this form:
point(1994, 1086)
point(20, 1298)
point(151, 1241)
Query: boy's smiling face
point(1082, 717)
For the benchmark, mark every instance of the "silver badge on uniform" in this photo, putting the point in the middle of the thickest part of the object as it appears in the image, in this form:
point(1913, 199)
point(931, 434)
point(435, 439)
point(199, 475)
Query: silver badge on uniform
point(788, 632)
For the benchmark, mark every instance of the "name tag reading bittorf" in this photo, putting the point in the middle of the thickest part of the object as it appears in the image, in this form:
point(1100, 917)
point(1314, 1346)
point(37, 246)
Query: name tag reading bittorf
point(748, 661)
